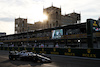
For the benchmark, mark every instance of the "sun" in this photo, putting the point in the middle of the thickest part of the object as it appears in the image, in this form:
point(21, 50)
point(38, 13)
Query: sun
point(43, 17)
point(40, 17)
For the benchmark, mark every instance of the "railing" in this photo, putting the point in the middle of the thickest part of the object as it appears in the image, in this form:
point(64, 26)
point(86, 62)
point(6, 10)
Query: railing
point(97, 34)
point(74, 36)
point(25, 39)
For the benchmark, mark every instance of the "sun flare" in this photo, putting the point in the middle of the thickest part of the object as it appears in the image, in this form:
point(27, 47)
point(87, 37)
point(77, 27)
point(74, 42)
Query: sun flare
point(43, 17)
point(39, 17)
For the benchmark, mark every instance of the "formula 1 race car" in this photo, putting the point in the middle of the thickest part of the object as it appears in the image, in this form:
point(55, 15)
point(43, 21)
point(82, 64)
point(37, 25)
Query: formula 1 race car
point(28, 56)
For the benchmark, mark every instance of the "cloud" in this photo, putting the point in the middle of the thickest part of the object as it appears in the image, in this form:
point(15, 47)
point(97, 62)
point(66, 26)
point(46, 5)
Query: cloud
point(7, 19)
point(32, 9)
point(87, 8)
point(7, 27)
point(9, 10)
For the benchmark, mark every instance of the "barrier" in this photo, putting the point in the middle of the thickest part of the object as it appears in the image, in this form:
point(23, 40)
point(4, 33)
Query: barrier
point(93, 53)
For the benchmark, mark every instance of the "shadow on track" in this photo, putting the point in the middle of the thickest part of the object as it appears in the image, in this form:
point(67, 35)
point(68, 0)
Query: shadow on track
point(23, 63)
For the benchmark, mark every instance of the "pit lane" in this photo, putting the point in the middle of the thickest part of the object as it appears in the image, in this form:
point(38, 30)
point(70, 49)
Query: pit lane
point(57, 61)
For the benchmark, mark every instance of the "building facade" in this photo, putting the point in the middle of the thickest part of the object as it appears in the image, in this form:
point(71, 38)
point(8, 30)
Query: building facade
point(74, 36)
point(20, 25)
point(55, 19)
point(2, 34)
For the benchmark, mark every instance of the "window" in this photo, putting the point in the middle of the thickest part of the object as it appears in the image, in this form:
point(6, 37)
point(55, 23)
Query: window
point(53, 24)
point(56, 23)
point(23, 24)
point(23, 29)
point(16, 25)
point(15, 31)
point(56, 14)
point(50, 25)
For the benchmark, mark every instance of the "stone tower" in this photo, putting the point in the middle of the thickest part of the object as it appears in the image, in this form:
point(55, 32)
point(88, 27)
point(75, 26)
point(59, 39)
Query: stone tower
point(20, 25)
point(76, 17)
point(54, 17)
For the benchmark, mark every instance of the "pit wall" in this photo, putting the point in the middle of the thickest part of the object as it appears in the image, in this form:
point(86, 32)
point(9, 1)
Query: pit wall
point(91, 53)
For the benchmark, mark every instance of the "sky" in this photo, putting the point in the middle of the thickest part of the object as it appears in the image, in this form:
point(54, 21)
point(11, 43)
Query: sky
point(33, 10)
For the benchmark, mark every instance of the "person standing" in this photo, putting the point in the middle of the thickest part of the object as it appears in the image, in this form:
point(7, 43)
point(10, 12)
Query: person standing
point(42, 45)
point(57, 45)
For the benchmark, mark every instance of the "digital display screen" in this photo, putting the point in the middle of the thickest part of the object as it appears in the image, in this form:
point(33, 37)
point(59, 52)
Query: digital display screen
point(57, 33)
point(96, 29)
point(96, 26)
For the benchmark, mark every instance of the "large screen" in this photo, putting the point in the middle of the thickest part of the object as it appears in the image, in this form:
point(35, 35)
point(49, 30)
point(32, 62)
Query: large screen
point(96, 26)
point(57, 33)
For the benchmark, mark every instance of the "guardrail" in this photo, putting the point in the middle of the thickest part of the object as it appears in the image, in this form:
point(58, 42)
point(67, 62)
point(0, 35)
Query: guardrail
point(93, 53)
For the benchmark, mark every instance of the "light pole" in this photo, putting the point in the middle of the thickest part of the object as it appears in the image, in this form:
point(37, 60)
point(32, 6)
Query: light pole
point(89, 27)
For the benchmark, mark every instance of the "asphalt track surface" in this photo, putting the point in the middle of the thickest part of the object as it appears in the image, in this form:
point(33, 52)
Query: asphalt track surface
point(57, 61)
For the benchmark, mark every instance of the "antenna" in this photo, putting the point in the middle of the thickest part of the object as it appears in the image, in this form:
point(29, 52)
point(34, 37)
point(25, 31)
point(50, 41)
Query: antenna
point(52, 4)
point(60, 6)
point(65, 13)
point(19, 16)
point(80, 12)
point(43, 7)
point(73, 11)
